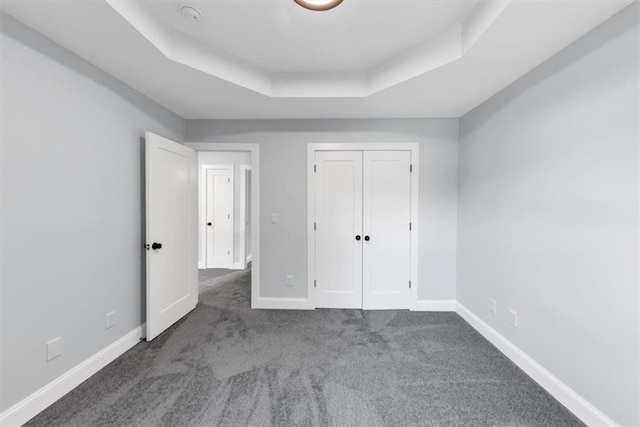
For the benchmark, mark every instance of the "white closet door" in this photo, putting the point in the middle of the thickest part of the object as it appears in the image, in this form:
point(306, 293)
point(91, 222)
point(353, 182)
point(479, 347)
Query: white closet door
point(338, 210)
point(219, 217)
point(386, 218)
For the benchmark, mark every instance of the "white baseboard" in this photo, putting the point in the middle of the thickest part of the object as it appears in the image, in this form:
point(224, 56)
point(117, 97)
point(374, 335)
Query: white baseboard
point(201, 265)
point(435, 305)
point(32, 405)
point(575, 403)
point(281, 303)
point(237, 266)
point(248, 259)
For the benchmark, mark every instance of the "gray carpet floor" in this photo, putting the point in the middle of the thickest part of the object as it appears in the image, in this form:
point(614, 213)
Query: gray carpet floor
point(215, 277)
point(225, 364)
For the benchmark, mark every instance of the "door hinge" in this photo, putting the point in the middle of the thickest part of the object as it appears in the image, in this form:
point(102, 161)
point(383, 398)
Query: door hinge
point(410, 168)
point(229, 180)
point(228, 252)
point(315, 226)
point(409, 226)
point(314, 283)
point(314, 169)
point(409, 284)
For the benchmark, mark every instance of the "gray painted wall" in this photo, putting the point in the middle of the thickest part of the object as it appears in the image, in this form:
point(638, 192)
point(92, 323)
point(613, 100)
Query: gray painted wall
point(548, 215)
point(283, 190)
point(71, 207)
point(236, 159)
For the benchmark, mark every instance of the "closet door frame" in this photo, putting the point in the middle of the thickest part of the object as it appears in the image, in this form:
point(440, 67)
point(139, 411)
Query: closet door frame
point(413, 148)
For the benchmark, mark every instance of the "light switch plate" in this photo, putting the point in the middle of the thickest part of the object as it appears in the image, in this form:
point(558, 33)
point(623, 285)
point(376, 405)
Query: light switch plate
point(54, 348)
point(109, 319)
point(274, 218)
point(492, 306)
point(513, 318)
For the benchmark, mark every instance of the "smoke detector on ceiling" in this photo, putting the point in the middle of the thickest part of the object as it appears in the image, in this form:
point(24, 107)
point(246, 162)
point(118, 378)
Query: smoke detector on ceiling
point(191, 14)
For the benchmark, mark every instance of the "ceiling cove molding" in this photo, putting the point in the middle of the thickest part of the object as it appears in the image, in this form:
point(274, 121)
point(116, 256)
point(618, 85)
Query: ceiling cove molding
point(185, 50)
point(450, 46)
point(479, 20)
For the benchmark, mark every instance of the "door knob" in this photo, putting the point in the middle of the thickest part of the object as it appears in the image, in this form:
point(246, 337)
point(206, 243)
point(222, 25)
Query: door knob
point(367, 238)
point(156, 246)
point(209, 224)
point(358, 237)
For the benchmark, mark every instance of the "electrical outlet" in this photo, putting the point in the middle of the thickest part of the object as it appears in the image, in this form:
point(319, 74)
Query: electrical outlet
point(492, 306)
point(109, 319)
point(274, 218)
point(289, 280)
point(54, 348)
point(513, 318)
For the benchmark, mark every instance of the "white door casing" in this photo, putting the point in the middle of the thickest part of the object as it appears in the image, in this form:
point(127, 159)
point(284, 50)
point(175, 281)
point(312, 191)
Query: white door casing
point(219, 216)
point(245, 215)
point(338, 215)
point(171, 221)
point(386, 228)
point(247, 237)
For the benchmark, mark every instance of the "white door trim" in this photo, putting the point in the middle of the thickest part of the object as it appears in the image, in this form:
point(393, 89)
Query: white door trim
point(414, 148)
point(254, 149)
point(243, 211)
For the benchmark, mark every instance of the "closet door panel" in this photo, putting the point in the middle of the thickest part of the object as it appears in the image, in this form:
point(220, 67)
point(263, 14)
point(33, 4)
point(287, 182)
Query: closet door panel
point(338, 218)
point(386, 218)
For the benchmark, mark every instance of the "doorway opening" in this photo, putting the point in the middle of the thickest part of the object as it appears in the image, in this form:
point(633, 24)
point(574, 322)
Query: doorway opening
point(228, 210)
point(222, 209)
point(223, 205)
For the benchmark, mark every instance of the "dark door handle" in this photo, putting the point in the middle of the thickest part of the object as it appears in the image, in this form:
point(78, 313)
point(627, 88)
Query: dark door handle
point(358, 237)
point(209, 224)
point(367, 238)
point(156, 246)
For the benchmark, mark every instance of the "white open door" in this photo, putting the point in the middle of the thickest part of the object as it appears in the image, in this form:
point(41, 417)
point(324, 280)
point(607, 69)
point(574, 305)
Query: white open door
point(171, 232)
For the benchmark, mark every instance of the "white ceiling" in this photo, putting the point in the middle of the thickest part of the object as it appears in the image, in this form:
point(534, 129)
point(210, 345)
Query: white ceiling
point(278, 37)
point(274, 59)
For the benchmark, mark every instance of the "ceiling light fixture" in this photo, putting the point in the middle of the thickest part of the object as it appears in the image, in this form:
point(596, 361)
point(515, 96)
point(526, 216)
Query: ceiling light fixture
point(318, 5)
point(191, 14)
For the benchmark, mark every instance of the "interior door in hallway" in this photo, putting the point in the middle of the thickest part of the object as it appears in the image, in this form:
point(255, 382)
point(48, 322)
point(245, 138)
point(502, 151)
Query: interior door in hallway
point(171, 232)
point(338, 219)
point(219, 216)
point(386, 229)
